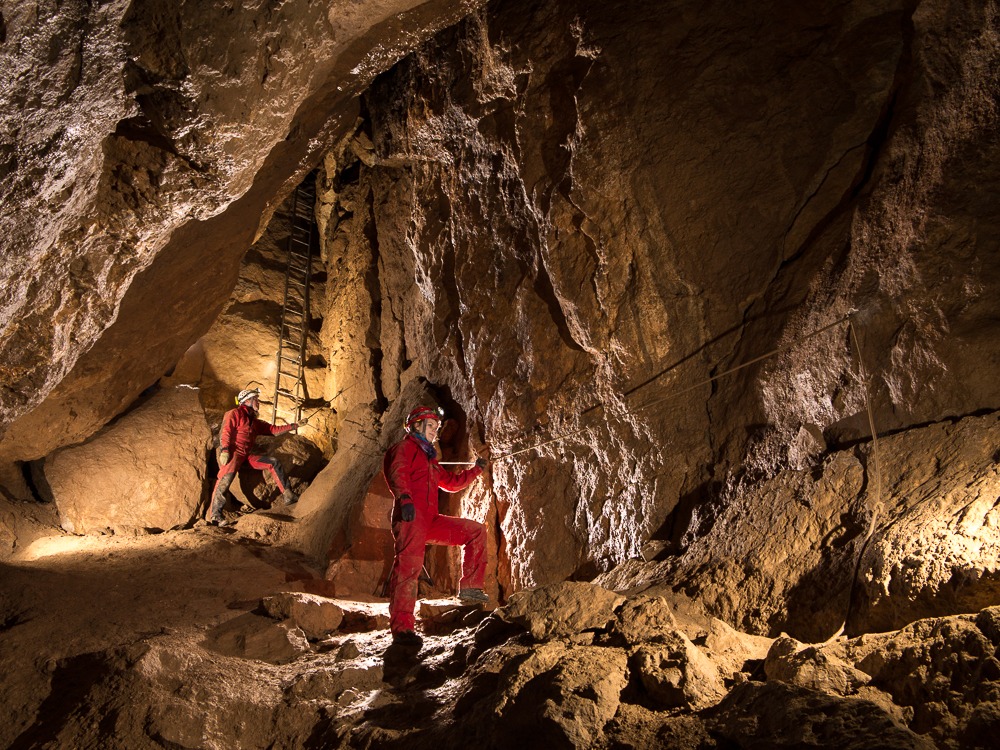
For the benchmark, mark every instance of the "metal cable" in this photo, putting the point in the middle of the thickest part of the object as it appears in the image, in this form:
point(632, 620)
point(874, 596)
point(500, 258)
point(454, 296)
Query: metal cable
point(681, 392)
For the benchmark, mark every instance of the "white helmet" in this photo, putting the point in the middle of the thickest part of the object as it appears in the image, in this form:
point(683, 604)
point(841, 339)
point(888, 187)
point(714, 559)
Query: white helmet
point(247, 395)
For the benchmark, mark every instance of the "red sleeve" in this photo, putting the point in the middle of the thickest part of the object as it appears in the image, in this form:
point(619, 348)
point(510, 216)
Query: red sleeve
point(455, 481)
point(228, 434)
point(265, 428)
point(397, 469)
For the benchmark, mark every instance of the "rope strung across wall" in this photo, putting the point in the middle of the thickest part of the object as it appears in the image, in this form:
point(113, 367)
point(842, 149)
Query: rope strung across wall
point(675, 394)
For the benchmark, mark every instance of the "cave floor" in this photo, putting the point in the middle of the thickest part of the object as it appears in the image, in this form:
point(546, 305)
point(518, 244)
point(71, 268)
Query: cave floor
point(75, 610)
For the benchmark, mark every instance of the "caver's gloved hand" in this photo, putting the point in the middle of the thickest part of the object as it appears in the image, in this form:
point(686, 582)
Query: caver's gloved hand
point(224, 457)
point(482, 463)
point(302, 422)
point(406, 511)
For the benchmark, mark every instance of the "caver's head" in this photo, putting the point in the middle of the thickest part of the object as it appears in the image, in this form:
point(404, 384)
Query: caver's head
point(250, 397)
point(424, 421)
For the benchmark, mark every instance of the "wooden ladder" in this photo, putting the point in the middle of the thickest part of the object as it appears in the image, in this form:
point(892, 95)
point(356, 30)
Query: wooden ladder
point(289, 381)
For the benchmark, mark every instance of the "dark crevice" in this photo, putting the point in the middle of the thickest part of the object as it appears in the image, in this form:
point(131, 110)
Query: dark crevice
point(883, 125)
point(373, 337)
point(28, 473)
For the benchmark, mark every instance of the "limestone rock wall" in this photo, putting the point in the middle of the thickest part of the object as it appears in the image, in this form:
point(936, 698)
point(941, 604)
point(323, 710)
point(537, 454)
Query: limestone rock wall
point(555, 219)
point(563, 220)
point(811, 551)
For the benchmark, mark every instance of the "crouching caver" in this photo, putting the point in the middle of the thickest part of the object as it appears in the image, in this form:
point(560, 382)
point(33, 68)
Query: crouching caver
point(240, 428)
point(414, 477)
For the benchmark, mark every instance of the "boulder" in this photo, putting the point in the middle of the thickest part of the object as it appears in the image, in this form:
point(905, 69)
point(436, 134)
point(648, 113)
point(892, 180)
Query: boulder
point(251, 636)
point(779, 716)
point(811, 667)
point(731, 650)
point(316, 616)
point(644, 619)
point(561, 610)
point(675, 673)
point(146, 471)
point(936, 550)
point(563, 699)
point(946, 670)
point(330, 684)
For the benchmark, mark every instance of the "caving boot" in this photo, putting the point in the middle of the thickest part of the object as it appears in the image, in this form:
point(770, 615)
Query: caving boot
point(407, 638)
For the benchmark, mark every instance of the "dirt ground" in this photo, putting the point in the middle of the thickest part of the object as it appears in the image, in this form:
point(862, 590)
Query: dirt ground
point(64, 596)
point(113, 642)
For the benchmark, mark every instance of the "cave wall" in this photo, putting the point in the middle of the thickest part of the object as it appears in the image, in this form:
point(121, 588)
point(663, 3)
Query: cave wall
point(563, 219)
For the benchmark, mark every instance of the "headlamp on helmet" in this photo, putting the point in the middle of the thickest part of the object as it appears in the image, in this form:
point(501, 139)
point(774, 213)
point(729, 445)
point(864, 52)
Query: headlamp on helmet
point(421, 413)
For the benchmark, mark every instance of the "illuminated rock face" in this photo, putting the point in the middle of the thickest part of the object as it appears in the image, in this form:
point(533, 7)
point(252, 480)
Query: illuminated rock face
point(145, 472)
point(550, 205)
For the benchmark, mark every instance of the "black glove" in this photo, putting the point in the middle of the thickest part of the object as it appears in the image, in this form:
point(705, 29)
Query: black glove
point(407, 512)
point(482, 463)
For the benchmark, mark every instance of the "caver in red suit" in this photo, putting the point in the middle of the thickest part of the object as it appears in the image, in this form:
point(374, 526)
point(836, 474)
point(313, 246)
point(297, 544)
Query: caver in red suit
point(240, 428)
point(414, 477)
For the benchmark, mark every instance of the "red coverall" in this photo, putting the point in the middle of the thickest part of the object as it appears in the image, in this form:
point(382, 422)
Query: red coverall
point(410, 471)
point(240, 428)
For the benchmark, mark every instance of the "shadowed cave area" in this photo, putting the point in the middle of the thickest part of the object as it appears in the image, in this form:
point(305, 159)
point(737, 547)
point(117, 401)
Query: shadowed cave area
point(709, 285)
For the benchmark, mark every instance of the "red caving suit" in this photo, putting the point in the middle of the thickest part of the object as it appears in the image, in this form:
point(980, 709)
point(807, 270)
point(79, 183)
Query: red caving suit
point(240, 428)
point(410, 471)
